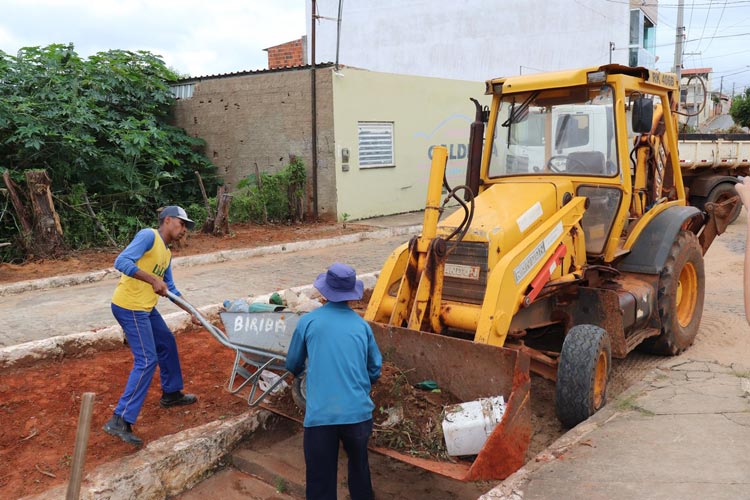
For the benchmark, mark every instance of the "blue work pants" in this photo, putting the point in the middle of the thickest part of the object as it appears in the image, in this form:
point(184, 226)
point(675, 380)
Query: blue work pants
point(321, 444)
point(152, 343)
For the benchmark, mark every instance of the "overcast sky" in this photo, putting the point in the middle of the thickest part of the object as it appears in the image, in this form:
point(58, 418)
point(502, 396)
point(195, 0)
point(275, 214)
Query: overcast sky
point(717, 34)
point(194, 37)
point(221, 36)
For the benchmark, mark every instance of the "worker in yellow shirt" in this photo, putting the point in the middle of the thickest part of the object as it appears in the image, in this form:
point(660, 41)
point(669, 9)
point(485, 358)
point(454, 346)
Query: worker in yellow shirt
point(147, 273)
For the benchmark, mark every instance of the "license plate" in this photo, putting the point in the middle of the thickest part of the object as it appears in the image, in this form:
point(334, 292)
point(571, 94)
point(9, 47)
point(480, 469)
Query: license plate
point(462, 272)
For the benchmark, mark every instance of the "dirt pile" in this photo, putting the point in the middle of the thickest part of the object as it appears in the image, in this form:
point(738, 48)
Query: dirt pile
point(406, 419)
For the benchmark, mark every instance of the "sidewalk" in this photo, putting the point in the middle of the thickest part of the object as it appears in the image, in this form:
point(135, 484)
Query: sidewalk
point(683, 433)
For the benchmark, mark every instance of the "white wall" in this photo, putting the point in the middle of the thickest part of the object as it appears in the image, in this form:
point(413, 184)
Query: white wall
point(472, 39)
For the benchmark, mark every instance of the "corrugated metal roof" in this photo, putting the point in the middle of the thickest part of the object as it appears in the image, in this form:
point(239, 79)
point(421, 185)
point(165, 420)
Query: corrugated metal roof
point(254, 72)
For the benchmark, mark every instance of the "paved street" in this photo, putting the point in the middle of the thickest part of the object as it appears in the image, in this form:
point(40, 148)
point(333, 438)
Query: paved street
point(37, 314)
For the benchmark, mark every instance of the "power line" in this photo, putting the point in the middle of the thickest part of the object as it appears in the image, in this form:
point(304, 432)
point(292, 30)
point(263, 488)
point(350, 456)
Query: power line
point(732, 4)
point(721, 16)
point(700, 38)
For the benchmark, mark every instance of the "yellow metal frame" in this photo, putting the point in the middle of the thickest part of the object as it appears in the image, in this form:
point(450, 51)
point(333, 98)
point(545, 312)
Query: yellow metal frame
point(624, 81)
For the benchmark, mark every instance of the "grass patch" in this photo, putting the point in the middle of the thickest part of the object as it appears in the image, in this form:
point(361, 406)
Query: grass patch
point(281, 485)
point(629, 404)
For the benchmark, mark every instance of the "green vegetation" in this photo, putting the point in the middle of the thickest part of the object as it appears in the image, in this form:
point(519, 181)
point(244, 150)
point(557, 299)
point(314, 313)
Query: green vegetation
point(629, 404)
point(276, 198)
point(740, 110)
point(99, 127)
point(281, 485)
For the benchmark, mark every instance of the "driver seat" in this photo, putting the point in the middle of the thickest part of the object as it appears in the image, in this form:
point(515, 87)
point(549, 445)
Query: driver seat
point(586, 162)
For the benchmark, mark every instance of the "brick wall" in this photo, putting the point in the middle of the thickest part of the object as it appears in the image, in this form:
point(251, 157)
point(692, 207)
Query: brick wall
point(262, 119)
point(288, 54)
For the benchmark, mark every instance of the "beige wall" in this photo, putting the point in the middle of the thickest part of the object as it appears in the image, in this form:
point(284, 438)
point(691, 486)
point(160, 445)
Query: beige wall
point(263, 118)
point(424, 111)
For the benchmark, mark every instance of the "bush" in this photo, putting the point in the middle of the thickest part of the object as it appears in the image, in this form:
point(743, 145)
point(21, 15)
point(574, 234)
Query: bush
point(279, 199)
point(99, 127)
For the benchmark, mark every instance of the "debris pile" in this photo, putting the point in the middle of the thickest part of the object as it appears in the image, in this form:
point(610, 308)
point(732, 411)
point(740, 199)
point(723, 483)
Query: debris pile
point(406, 419)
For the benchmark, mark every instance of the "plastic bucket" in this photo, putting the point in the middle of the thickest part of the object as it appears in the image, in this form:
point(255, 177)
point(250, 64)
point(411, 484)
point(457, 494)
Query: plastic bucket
point(467, 426)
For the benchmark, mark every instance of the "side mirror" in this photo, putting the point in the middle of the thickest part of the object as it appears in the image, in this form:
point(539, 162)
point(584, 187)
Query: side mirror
point(642, 115)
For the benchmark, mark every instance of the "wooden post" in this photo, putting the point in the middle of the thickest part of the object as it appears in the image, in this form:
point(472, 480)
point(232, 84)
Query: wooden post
point(99, 224)
point(79, 452)
point(48, 234)
point(223, 201)
point(259, 183)
point(208, 224)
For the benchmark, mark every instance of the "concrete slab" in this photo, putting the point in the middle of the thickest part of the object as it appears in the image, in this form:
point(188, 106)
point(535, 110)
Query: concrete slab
point(671, 437)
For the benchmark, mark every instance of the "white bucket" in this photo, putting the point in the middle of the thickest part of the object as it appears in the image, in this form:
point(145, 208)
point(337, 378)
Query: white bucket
point(467, 426)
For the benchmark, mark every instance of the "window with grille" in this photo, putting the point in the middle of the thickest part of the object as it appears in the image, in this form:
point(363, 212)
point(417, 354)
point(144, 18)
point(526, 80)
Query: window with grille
point(375, 144)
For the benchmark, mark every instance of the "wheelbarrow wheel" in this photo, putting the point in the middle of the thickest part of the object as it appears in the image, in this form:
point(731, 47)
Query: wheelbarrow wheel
point(582, 374)
point(299, 391)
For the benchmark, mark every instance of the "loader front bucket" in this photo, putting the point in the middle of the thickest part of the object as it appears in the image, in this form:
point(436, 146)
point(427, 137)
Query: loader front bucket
point(469, 371)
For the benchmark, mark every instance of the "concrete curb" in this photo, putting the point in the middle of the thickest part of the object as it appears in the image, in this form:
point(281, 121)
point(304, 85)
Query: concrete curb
point(211, 258)
point(167, 466)
point(28, 353)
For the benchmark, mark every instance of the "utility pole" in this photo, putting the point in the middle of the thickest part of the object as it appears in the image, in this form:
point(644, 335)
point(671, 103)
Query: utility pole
point(678, 42)
point(611, 49)
point(721, 89)
point(314, 112)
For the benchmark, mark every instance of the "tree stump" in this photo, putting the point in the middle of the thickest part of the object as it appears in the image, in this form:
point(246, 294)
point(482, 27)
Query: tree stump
point(47, 231)
point(223, 201)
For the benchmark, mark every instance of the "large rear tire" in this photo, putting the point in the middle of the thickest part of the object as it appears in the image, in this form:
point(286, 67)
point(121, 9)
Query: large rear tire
point(582, 374)
point(681, 294)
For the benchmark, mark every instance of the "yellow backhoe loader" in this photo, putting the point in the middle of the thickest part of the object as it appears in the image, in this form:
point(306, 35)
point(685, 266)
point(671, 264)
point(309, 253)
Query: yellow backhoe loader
point(568, 248)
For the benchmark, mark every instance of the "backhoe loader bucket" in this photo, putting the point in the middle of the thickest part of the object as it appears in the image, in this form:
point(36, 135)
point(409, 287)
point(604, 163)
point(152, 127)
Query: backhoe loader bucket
point(469, 371)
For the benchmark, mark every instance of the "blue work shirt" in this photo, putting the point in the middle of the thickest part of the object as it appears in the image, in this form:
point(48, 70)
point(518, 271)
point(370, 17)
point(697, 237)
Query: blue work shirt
point(343, 361)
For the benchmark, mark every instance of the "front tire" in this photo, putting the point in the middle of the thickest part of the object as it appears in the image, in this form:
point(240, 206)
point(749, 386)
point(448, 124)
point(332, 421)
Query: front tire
point(681, 294)
point(582, 374)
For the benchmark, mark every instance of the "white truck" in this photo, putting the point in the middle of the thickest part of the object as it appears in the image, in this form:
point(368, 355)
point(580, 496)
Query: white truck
point(710, 162)
point(710, 166)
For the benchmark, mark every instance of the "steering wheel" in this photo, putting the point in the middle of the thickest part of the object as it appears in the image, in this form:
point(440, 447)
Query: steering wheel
point(569, 162)
point(552, 167)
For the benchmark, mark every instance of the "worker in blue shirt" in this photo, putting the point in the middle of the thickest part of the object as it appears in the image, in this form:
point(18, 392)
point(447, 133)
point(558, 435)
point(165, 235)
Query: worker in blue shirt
point(343, 361)
point(146, 267)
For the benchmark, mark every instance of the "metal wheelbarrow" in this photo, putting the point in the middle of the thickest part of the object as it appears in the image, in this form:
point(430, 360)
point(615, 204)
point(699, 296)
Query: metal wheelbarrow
point(258, 339)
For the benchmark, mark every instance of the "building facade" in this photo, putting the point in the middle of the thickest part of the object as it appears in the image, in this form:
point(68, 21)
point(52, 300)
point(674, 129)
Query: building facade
point(483, 39)
point(375, 132)
point(695, 96)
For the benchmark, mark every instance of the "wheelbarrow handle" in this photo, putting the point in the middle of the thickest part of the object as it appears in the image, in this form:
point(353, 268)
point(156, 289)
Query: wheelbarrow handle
point(187, 305)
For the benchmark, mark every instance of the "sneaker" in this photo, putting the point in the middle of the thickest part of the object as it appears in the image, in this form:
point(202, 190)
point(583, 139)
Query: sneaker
point(169, 399)
point(122, 429)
